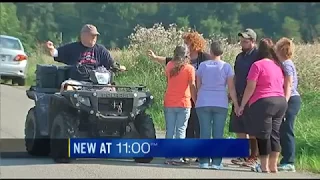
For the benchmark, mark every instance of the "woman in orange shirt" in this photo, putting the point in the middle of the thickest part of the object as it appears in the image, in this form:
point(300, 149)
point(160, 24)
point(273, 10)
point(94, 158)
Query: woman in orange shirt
point(181, 88)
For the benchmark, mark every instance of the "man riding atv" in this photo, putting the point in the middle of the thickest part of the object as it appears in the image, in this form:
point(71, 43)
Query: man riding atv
point(84, 52)
point(90, 109)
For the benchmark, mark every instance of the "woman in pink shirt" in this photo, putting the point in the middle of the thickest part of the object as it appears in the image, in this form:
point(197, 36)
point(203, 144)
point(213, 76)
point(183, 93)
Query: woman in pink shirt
point(267, 105)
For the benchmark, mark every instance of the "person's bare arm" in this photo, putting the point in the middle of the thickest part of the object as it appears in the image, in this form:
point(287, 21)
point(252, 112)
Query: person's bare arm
point(251, 86)
point(193, 89)
point(232, 91)
point(192, 83)
point(288, 80)
point(198, 80)
point(154, 57)
point(53, 52)
point(234, 84)
point(60, 54)
point(252, 78)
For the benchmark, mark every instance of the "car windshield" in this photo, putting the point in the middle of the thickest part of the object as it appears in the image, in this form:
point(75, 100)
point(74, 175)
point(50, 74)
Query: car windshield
point(9, 43)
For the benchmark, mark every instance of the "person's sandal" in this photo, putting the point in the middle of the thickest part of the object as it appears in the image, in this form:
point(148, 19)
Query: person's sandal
point(168, 162)
point(179, 162)
point(238, 161)
point(257, 168)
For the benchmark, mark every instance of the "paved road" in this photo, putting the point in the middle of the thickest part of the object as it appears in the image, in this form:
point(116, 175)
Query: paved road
point(14, 107)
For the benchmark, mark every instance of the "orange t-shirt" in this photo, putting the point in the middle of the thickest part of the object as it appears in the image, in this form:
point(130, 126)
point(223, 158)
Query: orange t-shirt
point(178, 92)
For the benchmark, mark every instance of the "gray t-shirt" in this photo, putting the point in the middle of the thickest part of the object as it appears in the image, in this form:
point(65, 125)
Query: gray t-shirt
point(290, 70)
point(213, 90)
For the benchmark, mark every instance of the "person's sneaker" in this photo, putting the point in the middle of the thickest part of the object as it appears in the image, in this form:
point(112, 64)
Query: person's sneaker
point(286, 168)
point(215, 167)
point(186, 159)
point(250, 162)
point(190, 160)
point(238, 161)
point(204, 166)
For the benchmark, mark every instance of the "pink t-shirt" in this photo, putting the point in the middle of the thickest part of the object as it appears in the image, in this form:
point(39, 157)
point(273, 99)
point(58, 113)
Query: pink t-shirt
point(269, 78)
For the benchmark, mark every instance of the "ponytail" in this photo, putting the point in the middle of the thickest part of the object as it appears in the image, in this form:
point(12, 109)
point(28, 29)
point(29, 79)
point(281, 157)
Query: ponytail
point(180, 59)
point(277, 60)
point(267, 50)
point(178, 64)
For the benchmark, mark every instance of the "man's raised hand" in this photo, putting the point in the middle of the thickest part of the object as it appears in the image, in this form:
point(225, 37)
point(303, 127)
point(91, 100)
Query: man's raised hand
point(50, 45)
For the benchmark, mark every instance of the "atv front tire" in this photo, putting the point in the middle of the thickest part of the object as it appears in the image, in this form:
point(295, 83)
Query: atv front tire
point(36, 144)
point(64, 126)
point(145, 127)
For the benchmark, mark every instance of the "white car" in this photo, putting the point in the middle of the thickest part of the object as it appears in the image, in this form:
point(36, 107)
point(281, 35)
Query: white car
point(13, 60)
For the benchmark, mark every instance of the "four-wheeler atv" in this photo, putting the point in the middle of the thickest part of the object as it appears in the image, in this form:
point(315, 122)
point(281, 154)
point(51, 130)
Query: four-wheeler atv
point(90, 109)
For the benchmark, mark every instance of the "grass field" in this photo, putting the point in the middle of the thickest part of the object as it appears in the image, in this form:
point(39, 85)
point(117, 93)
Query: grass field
point(141, 70)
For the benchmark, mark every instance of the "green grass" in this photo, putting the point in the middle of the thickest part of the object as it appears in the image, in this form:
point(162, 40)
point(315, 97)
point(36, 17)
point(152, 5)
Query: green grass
point(141, 70)
point(307, 132)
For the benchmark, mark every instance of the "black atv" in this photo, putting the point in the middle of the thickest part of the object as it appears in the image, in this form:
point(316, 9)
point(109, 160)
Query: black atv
point(89, 109)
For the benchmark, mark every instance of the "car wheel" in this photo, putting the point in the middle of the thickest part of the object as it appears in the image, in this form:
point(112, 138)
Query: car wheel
point(19, 81)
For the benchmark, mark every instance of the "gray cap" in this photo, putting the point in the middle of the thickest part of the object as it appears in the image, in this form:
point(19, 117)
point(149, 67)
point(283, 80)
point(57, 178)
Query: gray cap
point(248, 34)
point(90, 29)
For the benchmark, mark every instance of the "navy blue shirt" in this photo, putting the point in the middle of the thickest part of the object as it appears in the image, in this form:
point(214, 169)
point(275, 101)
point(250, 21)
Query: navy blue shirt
point(242, 65)
point(75, 53)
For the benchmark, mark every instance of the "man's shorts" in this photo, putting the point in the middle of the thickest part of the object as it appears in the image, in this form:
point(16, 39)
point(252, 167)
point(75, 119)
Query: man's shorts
point(237, 124)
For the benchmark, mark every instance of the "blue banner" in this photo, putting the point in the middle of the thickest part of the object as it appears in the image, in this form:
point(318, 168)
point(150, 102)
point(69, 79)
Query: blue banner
point(168, 148)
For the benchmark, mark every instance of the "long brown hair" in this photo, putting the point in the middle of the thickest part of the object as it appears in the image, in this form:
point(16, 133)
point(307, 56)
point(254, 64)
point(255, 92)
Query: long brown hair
point(181, 57)
point(266, 49)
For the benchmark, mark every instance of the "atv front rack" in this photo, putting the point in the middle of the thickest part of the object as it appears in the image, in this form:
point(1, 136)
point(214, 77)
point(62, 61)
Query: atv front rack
point(101, 85)
point(139, 88)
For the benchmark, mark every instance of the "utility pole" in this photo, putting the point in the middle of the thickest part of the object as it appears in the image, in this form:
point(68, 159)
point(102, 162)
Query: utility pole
point(60, 38)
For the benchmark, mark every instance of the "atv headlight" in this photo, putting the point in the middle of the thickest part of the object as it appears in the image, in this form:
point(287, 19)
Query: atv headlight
point(141, 101)
point(84, 100)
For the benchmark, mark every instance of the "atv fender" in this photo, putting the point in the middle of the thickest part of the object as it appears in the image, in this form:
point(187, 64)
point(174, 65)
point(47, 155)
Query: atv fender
point(42, 102)
point(58, 103)
point(47, 106)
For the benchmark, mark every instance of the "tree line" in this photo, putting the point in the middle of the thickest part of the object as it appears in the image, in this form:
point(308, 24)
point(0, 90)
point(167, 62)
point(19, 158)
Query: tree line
point(61, 22)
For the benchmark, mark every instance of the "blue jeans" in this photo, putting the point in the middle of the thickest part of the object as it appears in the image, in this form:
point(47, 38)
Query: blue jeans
point(287, 139)
point(176, 122)
point(212, 122)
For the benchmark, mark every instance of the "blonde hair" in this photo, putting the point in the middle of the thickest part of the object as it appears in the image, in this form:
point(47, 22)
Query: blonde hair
point(181, 58)
point(285, 48)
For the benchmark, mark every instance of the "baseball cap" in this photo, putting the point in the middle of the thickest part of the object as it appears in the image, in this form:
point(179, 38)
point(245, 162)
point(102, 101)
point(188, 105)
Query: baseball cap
point(90, 28)
point(248, 33)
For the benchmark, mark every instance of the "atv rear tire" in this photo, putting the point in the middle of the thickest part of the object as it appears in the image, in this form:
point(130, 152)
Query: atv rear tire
point(36, 144)
point(145, 127)
point(64, 126)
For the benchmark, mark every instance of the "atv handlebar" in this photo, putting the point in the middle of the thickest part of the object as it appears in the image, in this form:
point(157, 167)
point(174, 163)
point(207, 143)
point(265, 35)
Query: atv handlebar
point(115, 69)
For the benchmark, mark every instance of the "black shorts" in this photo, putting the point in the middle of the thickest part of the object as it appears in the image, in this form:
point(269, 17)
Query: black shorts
point(266, 116)
point(237, 123)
